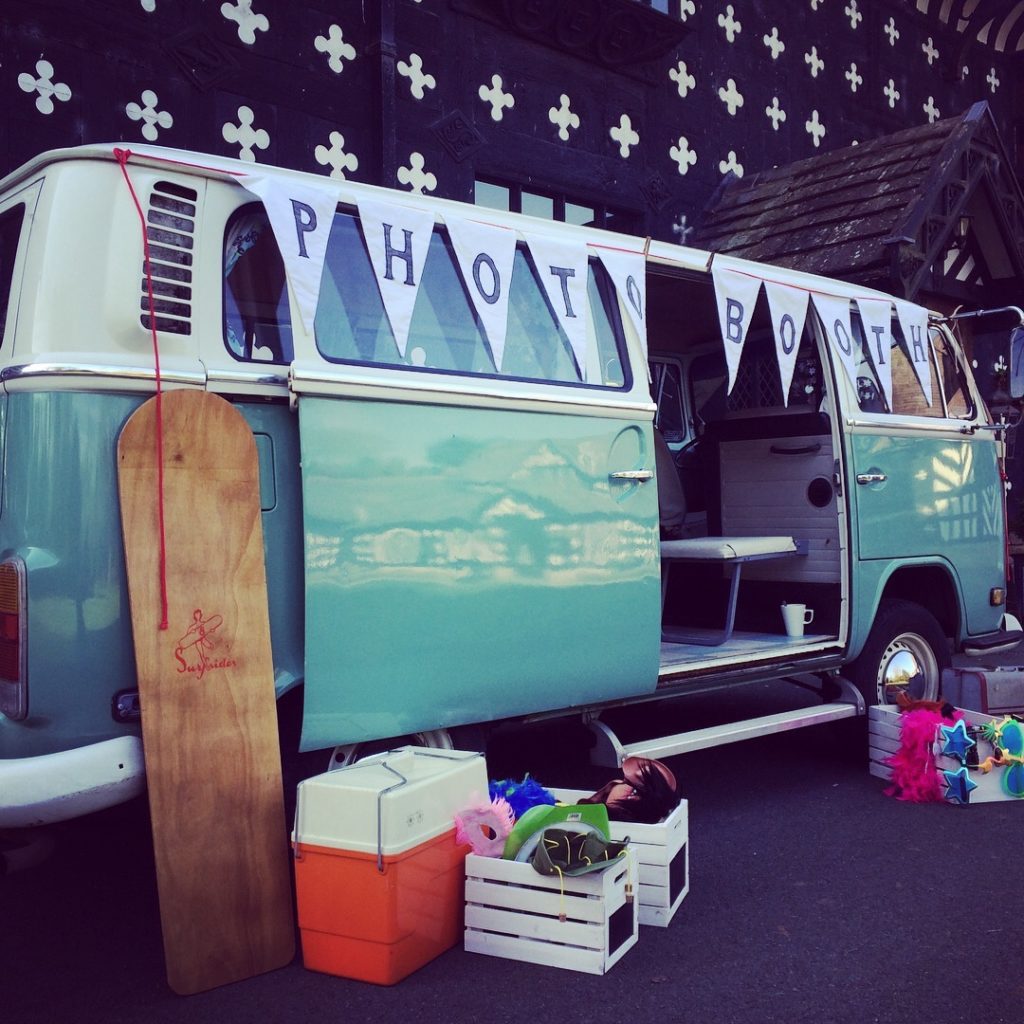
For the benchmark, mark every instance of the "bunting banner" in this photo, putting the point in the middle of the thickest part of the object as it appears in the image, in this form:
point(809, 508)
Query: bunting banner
point(788, 309)
point(736, 294)
point(876, 316)
point(301, 217)
point(562, 267)
point(628, 271)
point(835, 316)
point(486, 255)
point(914, 323)
point(397, 238)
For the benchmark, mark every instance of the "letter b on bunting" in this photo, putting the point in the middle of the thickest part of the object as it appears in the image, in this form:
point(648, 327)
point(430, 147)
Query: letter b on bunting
point(736, 294)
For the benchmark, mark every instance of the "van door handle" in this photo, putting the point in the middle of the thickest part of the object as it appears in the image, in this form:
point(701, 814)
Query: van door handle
point(871, 478)
point(639, 475)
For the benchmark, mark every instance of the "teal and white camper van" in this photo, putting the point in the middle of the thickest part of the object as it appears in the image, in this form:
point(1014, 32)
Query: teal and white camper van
point(465, 421)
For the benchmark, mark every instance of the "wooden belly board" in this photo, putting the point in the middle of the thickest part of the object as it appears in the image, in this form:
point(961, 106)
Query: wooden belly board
point(206, 689)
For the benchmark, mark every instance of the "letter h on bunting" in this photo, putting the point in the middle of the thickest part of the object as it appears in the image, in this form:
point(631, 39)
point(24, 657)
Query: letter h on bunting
point(914, 324)
point(397, 238)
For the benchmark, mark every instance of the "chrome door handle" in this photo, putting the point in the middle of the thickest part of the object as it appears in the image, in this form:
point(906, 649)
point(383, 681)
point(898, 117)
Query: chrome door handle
point(639, 475)
point(871, 478)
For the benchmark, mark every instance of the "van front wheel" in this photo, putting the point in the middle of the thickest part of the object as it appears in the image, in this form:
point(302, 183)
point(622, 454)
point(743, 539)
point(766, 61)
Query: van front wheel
point(906, 652)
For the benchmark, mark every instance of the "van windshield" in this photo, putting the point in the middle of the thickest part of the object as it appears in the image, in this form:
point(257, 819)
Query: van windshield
point(10, 231)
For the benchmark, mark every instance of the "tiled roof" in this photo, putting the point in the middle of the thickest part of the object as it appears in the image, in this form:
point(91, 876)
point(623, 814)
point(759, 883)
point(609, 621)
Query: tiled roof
point(881, 212)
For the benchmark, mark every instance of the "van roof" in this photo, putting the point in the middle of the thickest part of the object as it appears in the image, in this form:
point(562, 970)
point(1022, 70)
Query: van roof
point(669, 254)
point(229, 169)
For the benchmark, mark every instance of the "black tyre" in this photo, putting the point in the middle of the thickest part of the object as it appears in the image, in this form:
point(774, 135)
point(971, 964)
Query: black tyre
point(906, 651)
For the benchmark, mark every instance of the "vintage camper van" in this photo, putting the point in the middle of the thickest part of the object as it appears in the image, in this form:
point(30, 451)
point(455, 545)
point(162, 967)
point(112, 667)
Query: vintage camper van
point(509, 468)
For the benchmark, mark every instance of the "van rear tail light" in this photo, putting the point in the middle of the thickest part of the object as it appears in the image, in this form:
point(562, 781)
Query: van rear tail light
point(13, 649)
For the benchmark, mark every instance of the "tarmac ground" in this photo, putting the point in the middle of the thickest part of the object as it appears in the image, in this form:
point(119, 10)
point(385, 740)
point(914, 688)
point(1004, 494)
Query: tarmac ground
point(814, 897)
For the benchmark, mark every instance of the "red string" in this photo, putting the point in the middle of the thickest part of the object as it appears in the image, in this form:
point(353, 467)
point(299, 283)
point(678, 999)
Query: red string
point(122, 156)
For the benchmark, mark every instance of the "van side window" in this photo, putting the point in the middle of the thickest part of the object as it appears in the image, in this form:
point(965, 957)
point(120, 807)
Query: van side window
point(949, 395)
point(257, 321)
point(10, 231)
point(445, 334)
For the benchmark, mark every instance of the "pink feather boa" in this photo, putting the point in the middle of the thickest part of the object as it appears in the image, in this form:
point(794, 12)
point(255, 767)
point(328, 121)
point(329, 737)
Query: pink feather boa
point(915, 776)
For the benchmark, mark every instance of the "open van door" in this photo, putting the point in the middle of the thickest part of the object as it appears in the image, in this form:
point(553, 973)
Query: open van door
point(924, 477)
point(481, 523)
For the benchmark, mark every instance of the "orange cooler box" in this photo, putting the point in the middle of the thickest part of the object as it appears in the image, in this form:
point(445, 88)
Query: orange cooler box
point(379, 880)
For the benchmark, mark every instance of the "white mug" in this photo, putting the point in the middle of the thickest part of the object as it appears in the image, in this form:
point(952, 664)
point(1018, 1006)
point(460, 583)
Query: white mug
point(796, 616)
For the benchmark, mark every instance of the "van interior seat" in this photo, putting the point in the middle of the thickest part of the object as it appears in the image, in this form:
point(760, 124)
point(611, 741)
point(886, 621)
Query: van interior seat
point(733, 552)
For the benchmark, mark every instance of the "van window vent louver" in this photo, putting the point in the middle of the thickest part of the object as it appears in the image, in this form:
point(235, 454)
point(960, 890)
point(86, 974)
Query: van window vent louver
point(170, 228)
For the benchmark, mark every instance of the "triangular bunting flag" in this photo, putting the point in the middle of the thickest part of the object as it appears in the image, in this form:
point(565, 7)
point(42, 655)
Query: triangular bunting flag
point(628, 273)
point(834, 311)
point(486, 255)
point(788, 309)
point(914, 322)
point(737, 295)
point(397, 238)
point(563, 268)
point(301, 217)
point(876, 315)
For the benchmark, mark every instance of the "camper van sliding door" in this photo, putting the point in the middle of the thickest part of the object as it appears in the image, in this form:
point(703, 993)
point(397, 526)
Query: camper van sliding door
point(469, 555)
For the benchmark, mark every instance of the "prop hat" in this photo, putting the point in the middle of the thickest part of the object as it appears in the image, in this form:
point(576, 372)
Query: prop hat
point(565, 852)
point(580, 817)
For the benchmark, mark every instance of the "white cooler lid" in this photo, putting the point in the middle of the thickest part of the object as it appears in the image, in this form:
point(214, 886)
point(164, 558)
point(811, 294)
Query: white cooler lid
point(388, 803)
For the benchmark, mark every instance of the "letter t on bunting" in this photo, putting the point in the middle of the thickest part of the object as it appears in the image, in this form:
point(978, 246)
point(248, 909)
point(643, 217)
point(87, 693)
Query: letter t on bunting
point(788, 308)
point(301, 217)
point(736, 293)
point(486, 255)
point(397, 238)
point(876, 315)
point(563, 268)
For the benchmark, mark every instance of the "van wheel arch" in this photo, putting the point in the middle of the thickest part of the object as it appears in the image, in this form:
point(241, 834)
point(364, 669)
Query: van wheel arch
point(930, 587)
point(905, 637)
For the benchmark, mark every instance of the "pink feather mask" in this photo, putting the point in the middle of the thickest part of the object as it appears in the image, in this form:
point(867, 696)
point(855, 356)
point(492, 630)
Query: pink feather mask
point(485, 827)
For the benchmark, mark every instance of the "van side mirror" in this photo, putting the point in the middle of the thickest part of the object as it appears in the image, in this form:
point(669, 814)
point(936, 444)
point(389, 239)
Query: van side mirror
point(1017, 362)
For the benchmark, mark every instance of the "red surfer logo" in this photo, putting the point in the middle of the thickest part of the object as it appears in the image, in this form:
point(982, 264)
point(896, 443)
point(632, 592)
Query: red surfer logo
point(192, 650)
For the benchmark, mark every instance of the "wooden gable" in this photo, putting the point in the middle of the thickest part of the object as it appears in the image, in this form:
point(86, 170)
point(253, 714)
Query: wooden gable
point(934, 209)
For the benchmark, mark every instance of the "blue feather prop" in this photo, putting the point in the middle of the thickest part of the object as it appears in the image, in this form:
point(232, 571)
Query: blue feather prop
point(521, 796)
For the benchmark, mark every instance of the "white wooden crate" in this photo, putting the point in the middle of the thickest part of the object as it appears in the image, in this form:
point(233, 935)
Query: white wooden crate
point(513, 911)
point(884, 741)
point(663, 858)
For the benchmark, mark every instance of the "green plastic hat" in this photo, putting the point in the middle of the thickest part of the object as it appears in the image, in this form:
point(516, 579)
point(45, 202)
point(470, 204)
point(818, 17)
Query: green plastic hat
point(532, 822)
point(567, 852)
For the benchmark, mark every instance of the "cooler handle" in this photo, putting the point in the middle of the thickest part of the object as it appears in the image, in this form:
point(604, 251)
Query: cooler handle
point(380, 811)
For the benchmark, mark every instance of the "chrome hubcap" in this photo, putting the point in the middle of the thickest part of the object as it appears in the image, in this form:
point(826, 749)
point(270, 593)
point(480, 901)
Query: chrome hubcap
point(908, 665)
